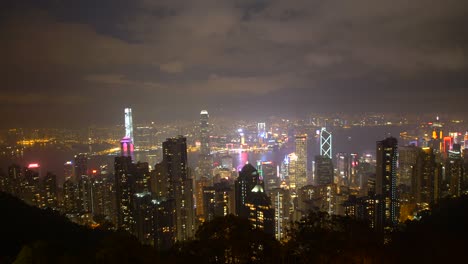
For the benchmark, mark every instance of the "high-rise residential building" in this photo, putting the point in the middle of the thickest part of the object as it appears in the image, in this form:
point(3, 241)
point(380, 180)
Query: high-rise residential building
point(81, 166)
point(49, 186)
point(325, 143)
point(387, 212)
point(301, 163)
point(407, 158)
point(180, 186)
point(281, 203)
point(125, 189)
point(454, 173)
point(247, 180)
point(143, 214)
point(426, 182)
point(129, 125)
point(324, 173)
point(69, 201)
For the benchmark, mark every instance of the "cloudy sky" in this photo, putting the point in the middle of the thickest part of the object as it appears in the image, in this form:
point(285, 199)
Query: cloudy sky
point(69, 63)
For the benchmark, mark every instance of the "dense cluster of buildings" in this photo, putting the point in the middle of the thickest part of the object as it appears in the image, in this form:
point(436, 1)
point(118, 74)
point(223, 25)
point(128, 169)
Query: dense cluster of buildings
point(165, 203)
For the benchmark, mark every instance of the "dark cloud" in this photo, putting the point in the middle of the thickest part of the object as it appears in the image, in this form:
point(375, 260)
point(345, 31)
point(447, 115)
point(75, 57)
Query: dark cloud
point(262, 56)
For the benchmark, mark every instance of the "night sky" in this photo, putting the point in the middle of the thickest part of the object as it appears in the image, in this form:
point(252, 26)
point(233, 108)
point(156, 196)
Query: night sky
point(77, 63)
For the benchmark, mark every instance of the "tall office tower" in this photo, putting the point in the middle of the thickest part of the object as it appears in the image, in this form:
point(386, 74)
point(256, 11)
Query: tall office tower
point(270, 175)
point(261, 214)
point(205, 159)
point(289, 170)
point(127, 148)
point(261, 133)
point(124, 171)
point(129, 125)
point(426, 183)
point(143, 214)
point(81, 166)
point(407, 158)
point(281, 202)
point(344, 168)
point(69, 201)
point(324, 173)
point(247, 180)
point(180, 186)
point(301, 163)
point(49, 185)
point(204, 133)
point(325, 143)
point(385, 187)
point(454, 172)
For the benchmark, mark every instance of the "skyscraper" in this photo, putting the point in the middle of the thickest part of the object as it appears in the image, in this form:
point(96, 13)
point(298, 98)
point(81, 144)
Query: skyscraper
point(129, 124)
point(81, 166)
point(248, 178)
point(385, 187)
point(325, 143)
point(260, 213)
point(204, 133)
point(125, 190)
point(301, 163)
point(324, 173)
point(180, 186)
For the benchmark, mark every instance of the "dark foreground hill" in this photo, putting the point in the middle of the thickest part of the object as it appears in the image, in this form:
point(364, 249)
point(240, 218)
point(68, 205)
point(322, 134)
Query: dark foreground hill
point(31, 235)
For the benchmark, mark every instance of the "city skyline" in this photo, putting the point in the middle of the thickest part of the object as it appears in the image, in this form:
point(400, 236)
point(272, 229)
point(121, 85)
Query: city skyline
point(72, 64)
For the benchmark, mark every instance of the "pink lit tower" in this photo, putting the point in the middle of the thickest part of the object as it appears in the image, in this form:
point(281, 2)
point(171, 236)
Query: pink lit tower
point(126, 143)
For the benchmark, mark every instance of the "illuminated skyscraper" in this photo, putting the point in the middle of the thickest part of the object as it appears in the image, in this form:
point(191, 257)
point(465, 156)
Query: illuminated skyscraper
point(282, 205)
point(261, 129)
point(426, 183)
point(248, 178)
point(180, 186)
point(325, 143)
point(129, 124)
point(126, 147)
point(125, 189)
point(260, 213)
point(205, 160)
point(301, 163)
point(81, 166)
point(204, 133)
point(385, 188)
